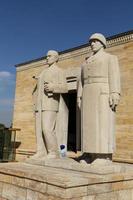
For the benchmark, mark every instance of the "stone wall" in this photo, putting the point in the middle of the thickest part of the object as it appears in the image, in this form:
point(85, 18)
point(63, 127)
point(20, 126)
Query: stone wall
point(19, 182)
point(122, 46)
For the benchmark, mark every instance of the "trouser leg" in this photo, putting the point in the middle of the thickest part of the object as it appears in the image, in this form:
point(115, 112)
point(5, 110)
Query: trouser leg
point(41, 149)
point(48, 126)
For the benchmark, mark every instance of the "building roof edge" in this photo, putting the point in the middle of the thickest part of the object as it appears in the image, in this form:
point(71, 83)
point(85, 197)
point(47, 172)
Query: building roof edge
point(76, 48)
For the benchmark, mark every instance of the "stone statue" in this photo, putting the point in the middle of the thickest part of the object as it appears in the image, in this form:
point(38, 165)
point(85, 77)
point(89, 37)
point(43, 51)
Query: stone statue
point(50, 84)
point(99, 94)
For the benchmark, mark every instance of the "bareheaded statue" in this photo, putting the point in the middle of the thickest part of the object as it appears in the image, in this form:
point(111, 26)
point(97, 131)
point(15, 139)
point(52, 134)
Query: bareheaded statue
point(51, 83)
point(99, 94)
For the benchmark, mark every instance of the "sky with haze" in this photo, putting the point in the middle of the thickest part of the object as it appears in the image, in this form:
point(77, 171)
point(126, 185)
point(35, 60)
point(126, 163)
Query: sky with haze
point(29, 28)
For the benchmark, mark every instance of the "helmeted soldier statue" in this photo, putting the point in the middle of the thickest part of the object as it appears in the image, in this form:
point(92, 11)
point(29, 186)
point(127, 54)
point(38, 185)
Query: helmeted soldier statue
point(99, 93)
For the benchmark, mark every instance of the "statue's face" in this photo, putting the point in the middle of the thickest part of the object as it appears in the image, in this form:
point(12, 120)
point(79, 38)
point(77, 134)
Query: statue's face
point(51, 58)
point(96, 45)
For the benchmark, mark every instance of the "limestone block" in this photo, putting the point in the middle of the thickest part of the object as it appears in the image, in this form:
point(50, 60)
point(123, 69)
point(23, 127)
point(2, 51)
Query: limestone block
point(76, 192)
point(5, 178)
point(1, 188)
point(99, 188)
point(10, 170)
point(125, 194)
point(107, 196)
point(63, 180)
point(42, 197)
point(67, 193)
point(35, 185)
point(56, 191)
point(122, 185)
point(92, 197)
point(89, 198)
point(113, 177)
point(117, 186)
point(47, 197)
point(18, 181)
point(12, 192)
point(31, 195)
point(70, 164)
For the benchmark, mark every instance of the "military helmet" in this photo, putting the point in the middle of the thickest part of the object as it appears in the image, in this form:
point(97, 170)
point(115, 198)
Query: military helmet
point(100, 37)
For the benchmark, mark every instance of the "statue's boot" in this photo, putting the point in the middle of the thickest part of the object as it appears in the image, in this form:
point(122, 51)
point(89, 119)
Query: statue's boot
point(38, 155)
point(52, 155)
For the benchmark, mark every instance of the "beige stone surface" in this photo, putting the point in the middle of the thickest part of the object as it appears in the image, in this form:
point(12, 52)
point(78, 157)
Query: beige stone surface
point(125, 194)
point(68, 193)
point(89, 198)
point(47, 197)
point(99, 188)
point(48, 183)
point(36, 186)
point(23, 108)
point(12, 192)
point(1, 187)
point(20, 181)
point(107, 196)
point(67, 163)
point(31, 195)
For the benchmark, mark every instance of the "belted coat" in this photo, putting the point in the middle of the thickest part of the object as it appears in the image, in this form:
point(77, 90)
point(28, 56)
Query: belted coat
point(99, 78)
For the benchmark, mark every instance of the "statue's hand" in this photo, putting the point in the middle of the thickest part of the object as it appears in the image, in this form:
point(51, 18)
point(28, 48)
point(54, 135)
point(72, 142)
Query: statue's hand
point(48, 87)
point(114, 99)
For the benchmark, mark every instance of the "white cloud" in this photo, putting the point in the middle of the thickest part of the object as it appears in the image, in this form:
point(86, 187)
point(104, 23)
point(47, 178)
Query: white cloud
point(7, 81)
point(5, 74)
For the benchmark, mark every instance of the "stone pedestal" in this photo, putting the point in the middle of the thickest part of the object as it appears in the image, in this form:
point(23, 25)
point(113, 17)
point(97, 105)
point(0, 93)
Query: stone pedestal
point(65, 180)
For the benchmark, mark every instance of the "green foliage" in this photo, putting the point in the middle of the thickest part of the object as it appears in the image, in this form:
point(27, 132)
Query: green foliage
point(2, 125)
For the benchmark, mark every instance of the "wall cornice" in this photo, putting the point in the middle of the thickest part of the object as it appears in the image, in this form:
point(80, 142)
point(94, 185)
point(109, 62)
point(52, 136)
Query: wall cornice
point(119, 40)
point(80, 50)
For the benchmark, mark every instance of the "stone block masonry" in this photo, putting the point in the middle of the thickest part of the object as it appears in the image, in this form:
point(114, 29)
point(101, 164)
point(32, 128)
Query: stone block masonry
point(22, 181)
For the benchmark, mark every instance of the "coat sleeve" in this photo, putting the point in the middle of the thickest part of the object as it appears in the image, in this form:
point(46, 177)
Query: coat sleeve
point(114, 75)
point(61, 85)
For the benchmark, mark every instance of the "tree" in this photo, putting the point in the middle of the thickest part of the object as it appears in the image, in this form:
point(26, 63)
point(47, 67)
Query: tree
point(2, 125)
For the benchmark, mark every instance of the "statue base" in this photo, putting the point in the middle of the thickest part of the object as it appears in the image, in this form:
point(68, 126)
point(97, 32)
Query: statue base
point(65, 179)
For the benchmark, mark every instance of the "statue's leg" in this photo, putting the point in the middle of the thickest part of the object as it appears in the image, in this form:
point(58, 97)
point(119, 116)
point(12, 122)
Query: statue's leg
point(48, 126)
point(41, 149)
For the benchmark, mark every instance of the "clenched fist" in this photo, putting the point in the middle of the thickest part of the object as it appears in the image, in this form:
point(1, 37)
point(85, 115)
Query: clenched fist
point(114, 99)
point(48, 87)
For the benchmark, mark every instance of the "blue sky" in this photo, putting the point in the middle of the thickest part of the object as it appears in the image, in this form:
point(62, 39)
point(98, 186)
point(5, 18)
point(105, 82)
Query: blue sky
point(29, 28)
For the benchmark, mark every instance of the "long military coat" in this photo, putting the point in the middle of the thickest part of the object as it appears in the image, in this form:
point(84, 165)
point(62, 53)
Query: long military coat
point(100, 77)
